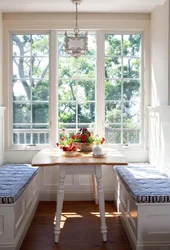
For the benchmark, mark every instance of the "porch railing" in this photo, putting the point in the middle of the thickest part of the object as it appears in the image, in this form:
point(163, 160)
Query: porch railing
point(41, 136)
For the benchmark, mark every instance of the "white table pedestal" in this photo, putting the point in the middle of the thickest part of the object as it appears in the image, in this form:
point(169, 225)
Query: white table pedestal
point(95, 171)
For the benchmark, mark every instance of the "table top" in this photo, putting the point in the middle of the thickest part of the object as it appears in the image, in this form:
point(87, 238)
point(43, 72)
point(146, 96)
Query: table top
point(53, 157)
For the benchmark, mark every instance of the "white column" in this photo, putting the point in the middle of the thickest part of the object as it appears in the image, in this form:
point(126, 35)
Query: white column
point(2, 142)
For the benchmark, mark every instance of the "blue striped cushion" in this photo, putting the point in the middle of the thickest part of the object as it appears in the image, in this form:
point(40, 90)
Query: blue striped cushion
point(144, 183)
point(14, 178)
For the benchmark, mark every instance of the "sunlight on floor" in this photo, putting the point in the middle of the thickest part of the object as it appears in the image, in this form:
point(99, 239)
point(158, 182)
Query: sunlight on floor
point(65, 216)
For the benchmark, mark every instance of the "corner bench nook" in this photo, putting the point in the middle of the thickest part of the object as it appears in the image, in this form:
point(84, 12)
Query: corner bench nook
point(143, 198)
point(18, 202)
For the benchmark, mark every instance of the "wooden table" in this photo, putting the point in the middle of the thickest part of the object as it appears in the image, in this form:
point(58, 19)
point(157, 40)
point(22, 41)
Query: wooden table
point(82, 163)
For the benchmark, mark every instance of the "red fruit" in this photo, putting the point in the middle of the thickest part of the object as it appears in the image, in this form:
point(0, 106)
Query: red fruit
point(83, 138)
point(74, 148)
point(65, 148)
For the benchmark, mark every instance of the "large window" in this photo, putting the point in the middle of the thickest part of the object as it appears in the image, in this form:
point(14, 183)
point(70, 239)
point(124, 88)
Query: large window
point(76, 87)
point(78, 90)
point(30, 60)
point(122, 88)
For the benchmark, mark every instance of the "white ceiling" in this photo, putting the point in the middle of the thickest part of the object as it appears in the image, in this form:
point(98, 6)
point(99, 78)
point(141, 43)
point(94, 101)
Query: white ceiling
point(124, 6)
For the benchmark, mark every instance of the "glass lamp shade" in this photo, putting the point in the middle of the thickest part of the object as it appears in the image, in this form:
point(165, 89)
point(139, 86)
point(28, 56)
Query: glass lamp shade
point(76, 45)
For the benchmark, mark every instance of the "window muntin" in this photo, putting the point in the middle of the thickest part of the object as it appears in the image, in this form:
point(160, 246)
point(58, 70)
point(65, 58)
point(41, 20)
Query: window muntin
point(77, 88)
point(122, 88)
point(30, 96)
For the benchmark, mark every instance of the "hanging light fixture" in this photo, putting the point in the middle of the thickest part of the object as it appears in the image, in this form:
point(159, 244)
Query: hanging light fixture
point(76, 44)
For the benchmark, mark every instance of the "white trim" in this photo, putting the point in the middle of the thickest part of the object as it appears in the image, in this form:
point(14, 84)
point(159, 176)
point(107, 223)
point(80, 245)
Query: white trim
point(12, 146)
point(46, 195)
point(158, 108)
point(53, 88)
point(100, 108)
point(2, 109)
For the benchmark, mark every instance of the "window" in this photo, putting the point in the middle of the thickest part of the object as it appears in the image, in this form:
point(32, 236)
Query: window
point(76, 87)
point(78, 91)
point(30, 60)
point(122, 88)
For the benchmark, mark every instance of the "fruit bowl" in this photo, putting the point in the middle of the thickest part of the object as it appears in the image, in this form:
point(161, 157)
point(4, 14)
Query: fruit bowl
point(69, 153)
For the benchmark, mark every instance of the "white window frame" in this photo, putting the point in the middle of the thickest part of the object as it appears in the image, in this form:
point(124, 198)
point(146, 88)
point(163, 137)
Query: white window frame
point(141, 143)
point(76, 79)
point(25, 146)
point(100, 109)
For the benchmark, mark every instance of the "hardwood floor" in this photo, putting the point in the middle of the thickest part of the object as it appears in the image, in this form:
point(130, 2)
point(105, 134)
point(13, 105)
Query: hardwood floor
point(80, 228)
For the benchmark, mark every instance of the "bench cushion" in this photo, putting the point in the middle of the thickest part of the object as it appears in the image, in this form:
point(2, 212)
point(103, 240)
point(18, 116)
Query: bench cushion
point(144, 183)
point(14, 178)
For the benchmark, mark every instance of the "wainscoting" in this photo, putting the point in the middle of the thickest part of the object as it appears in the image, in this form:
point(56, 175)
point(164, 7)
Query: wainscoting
point(77, 187)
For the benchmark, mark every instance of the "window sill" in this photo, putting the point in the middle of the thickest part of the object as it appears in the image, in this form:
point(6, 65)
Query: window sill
point(134, 147)
point(28, 148)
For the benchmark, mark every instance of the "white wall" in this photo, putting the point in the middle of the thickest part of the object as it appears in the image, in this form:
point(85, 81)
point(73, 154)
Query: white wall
point(159, 55)
point(159, 113)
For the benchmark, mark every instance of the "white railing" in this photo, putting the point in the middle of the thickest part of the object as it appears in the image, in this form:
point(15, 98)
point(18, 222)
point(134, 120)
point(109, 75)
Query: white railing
point(27, 136)
point(41, 136)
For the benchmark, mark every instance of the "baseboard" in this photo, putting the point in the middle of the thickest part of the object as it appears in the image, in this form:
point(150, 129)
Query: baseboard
point(73, 196)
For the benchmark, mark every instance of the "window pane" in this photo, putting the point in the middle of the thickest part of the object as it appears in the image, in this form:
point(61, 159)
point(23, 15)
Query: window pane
point(131, 136)
point(112, 89)
point(131, 67)
point(91, 44)
point(113, 67)
point(131, 112)
point(21, 90)
point(21, 68)
point(30, 84)
point(21, 113)
point(67, 67)
point(40, 67)
point(113, 133)
point(66, 89)
point(86, 67)
point(21, 45)
point(40, 45)
point(131, 45)
point(86, 113)
point(40, 113)
point(67, 112)
point(86, 90)
point(113, 45)
point(40, 90)
point(131, 90)
point(112, 112)
point(61, 45)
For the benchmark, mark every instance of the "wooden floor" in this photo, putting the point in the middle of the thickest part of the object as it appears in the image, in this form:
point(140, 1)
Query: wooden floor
point(80, 228)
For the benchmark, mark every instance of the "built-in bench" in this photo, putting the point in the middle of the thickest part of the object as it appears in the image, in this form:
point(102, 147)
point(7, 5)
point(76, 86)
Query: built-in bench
point(18, 203)
point(143, 198)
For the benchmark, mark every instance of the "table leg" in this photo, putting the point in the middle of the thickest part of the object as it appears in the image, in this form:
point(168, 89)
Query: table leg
point(95, 190)
point(98, 172)
point(60, 197)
